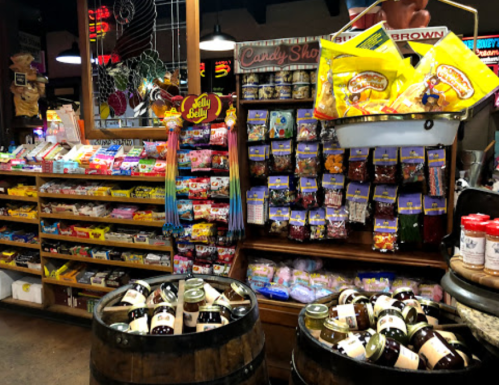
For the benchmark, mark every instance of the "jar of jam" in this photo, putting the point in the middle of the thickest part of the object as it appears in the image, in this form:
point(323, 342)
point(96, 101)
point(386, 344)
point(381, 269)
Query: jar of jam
point(351, 296)
point(431, 310)
point(388, 352)
point(239, 312)
point(448, 336)
point(225, 310)
point(315, 316)
point(138, 318)
point(209, 318)
point(355, 345)
point(137, 294)
point(434, 349)
point(161, 294)
point(333, 331)
point(163, 320)
point(357, 316)
point(492, 249)
point(474, 244)
point(194, 283)
point(407, 297)
point(385, 302)
point(391, 323)
point(211, 293)
point(463, 350)
point(236, 292)
point(193, 300)
point(374, 298)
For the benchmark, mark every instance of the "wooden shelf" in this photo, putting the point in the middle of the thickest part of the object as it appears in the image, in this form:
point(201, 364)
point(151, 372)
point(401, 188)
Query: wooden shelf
point(104, 220)
point(22, 220)
point(20, 244)
point(276, 101)
point(19, 302)
point(20, 173)
point(70, 311)
point(5, 266)
point(18, 198)
point(106, 243)
point(353, 252)
point(142, 266)
point(77, 285)
point(103, 198)
point(86, 176)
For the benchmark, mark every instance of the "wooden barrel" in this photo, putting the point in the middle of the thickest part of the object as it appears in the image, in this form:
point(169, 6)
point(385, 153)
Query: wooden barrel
point(232, 354)
point(313, 364)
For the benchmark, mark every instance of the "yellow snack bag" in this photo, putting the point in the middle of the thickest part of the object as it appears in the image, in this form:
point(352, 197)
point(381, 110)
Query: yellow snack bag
point(450, 77)
point(420, 48)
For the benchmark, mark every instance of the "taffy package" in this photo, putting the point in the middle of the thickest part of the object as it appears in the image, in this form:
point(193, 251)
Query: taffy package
point(412, 161)
point(298, 229)
point(374, 282)
point(435, 209)
point(410, 207)
point(333, 185)
point(256, 199)
point(279, 220)
point(357, 164)
point(385, 165)
point(436, 172)
point(385, 198)
point(385, 235)
point(282, 124)
point(317, 220)
point(258, 164)
point(307, 159)
point(281, 191)
point(357, 202)
point(307, 194)
point(282, 156)
point(307, 126)
point(257, 125)
point(333, 157)
point(337, 223)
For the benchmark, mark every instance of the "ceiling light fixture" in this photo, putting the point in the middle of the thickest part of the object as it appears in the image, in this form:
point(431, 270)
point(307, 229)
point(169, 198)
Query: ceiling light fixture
point(217, 41)
point(70, 56)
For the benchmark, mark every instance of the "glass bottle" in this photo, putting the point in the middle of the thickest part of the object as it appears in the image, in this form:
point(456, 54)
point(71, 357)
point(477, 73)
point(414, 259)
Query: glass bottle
point(351, 296)
point(474, 244)
point(315, 316)
point(139, 319)
point(209, 318)
point(391, 323)
point(137, 294)
point(355, 345)
point(463, 350)
point(236, 292)
point(431, 310)
point(333, 331)
point(492, 249)
point(193, 300)
point(163, 320)
point(357, 316)
point(225, 310)
point(388, 352)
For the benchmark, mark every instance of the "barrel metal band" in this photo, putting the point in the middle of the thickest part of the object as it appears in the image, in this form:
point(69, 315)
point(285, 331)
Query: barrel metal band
point(297, 379)
point(238, 377)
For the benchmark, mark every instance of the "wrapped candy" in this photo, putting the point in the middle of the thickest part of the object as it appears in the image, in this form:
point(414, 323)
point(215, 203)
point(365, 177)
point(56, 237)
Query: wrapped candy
point(436, 173)
point(183, 160)
point(199, 188)
point(282, 124)
point(374, 282)
point(410, 207)
point(283, 275)
point(226, 254)
point(333, 185)
point(206, 252)
point(281, 191)
point(328, 132)
point(433, 292)
point(385, 199)
point(185, 249)
point(260, 272)
point(302, 293)
point(385, 165)
point(298, 229)
point(300, 277)
point(219, 134)
point(258, 164)
point(182, 265)
point(334, 157)
point(406, 282)
point(357, 202)
point(185, 137)
point(307, 194)
point(319, 280)
point(182, 184)
point(412, 161)
point(339, 282)
point(336, 223)
point(317, 220)
point(219, 212)
point(219, 186)
point(357, 164)
point(307, 126)
point(256, 200)
point(307, 159)
point(201, 160)
point(308, 264)
point(257, 125)
point(202, 209)
point(385, 235)
point(279, 220)
point(435, 209)
point(220, 161)
point(275, 291)
point(282, 156)
point(201, 135)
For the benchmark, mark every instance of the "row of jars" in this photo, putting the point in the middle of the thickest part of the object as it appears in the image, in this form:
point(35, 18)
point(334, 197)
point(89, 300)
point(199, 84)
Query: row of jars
point(299, 84)
point(382, 328)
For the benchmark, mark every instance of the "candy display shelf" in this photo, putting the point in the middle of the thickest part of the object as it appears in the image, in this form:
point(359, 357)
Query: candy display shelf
point(103, 198)
point(18, 198)
point(103, 220)
point(17, 219)
point(20, 244)
point(77, 285)
point(276, 102)
point(5, 266)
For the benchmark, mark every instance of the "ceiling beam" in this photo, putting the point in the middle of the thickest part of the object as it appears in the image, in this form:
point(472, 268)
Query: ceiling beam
point(257, 9)
point(333, 7)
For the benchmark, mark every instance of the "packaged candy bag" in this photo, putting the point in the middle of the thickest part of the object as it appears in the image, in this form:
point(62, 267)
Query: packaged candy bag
point(282, 156)
point(282, 124)
point(385, 235)
point(204, 232)
point(226, 254)
point(307, 159)
point(219, 212)
point(202, 268)
point(219, 187)
point(436, 173)
point(258, 164)
point(279, 220)
point(185, 137)
point(319, 280)
point(257, 125)
point(201, 135)
point(308, 264)
point(201, 160)
point(256, 200)
point(302, 293)
point(307, 194)
point(385, 165)
point(357, 202)
point(307, 126)
point(298, 229)
point(281, 191)
point(220, 161)
point(182, 185)
point(199, 188)
point(357, 164)
point(328, 132)
point(300, 277)
point(260, 272)
point(337, 223)
point(186, 249)
point(202, 209)
point(275, 291)
point(385, 198)
point(206, 252)
point(283, 275)
point(184, 208)
point(410, 207)
point(219, 134)
point(339, 282)
point(317, 220)
point(334, 157)
point(374, 282)
point(333, 185)
point(182, 265)
point(183, 160)
point(412, 161)
point(435, 210)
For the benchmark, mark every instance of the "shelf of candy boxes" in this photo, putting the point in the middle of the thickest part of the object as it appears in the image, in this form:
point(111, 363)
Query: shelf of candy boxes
point(28, 259)
point(19, 210)
point(75, 298)
point(22, 187)
point(18, 233)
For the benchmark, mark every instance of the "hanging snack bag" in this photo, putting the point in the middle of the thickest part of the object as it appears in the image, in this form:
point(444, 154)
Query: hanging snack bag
point(204, 232)
point(219, 134)
point(219, 187)
point(182, 185)
point(201, 135)
point(357, 202)
point(385, 199)
point(281, 191)
point(257, 125)
point(184, 208)
point(226, 254)
point(385, 235)
point(436, 173)
point(337, 223)
point(220, 161)
point(410, 208)
point(202, 210)
point(317, 220)
point(412, 160)
point(328, 132)
point(333, 185)
point(201, 160)
point(357, 165)
point(307, 126)
point(256, 206)
point(279, 220)
point(282, 156)
point(298, 229)
point(307, 159)
point(199, 188)
point(435, 209)
point(385, 165)
point(219, 212)
point(282, 124)
point(307, 194)
point(185, 137)
point(206, 252)
point(186, 249)
point(258, 164)
point(334, 157)
point(183, 160)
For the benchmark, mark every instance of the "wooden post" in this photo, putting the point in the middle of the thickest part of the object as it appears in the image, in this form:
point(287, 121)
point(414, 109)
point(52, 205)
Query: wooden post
point(193, 53)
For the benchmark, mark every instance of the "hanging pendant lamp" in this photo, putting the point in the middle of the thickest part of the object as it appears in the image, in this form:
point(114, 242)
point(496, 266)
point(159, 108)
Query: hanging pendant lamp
point(217, 41)
point(70, 56)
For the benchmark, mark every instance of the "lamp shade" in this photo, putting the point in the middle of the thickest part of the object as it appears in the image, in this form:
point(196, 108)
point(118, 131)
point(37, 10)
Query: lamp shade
point(70, 56)
point(217, 41)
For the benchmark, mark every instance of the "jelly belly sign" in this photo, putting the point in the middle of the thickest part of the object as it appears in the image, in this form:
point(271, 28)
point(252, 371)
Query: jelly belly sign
point(488, 50)
point(204, 108)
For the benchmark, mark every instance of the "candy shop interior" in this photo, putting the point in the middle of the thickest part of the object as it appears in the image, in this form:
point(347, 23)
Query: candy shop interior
point(302, 192)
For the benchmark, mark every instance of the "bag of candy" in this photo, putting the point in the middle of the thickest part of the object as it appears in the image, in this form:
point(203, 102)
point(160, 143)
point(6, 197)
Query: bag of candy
point(257, 204)
point(412, 161)
point(334, 157)
point(374, 282)
point(151, 149)
point(183, 160)
point(206, 252)
point(201, 135)
point(298, 229)
point(308, 264)
point(186, 249)
point(319, 280)
point(357, 164)
point(202, 209)
point(279, 220)
point(385, 235)
point(385, 165)
point(317, 220)
point(300, 277)
point(302, 293)
point(385, 199)
point(204, 232)
point(282, 156)
point(219, 212)
point(333, 185)
point(436, 173)
point(220, 161)
point(283, 275)
point(226, 254)
point(274, 291)
point(307, 159)
point(435, 210)
point(410, 207)
point(201, 160)
point(182, 265)
point(185, 137)
point(219, 186)
point(339, 282)
point(337, 223)
point(357, 202)
point(200, 267)
point(307, 126)
point(307, 194)
point(219, 134)
point(282, 124)
point(281, 191)
point(260, 272)
point(186, 235)
point(182, 185)
point(258, 164)
point(184, 208)
point(257, 125)
point(199, 188)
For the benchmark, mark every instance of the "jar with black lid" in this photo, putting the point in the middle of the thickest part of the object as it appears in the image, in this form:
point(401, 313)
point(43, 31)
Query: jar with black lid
point(463, 350)
point(209, 318)
point(239, 312)
point(137, 294)
point(355, 345)
point(333, 331)
point(357, 316)
point(169, 286)
point(163, 320)
point(431, 310)
point(161, 294)
point(391, 323)
point(193, 300)
point(434, 349)
point(139, 319)
point(194, 284)
point(351, 296)
point(385, 302)
point(236, 292)
point(388, 352)
point(407, 296)
point(225, 310)
point(315, 316)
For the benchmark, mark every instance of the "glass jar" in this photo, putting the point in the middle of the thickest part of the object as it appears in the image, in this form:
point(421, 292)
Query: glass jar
point(333, 331)
point(161, 294)
point(357, 316)
point(431, 310)
point(463, 350)
point(137, 294)
point(388, 352)
point(315, 316)
point(163, 320)
point(225, 310)
point(355, 345)
point(169, 286)
point(374, 298)
point(236, 292)
point(193, 300)
point(211, 293)
point(385, 302)
point(138, 319)
point(448, 336)
point(209, 318)
point(492, 249)
point(474, 244)
point(391, 323)
point(239, 312)
point(407, 297)
point(194, 284)
point(434, 349)
point(348, 295)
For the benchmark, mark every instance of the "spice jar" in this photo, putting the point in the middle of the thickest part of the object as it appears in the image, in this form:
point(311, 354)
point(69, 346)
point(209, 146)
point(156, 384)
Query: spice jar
point(351, 296)
point(357, 316)
point(163, 320)
point(315, 316)
point(136, 294)
point(492, 249)
point(474, 244)
point(236, 292)
point(138, 318)
point(193, 300)
point(333, 331)
point(431, 310)
point(225, 310)
point(355, 345)
point(472, 217)
point(209, 318)
point(463, 350)
point(434, 349)
point(388, 352)
point(391, 323)
point(194, 284)
point(409, 313)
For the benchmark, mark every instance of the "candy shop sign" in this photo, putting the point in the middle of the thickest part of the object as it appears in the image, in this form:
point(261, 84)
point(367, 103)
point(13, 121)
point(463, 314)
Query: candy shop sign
point(204, 108)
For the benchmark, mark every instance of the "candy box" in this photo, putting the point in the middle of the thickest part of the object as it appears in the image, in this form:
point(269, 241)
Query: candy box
point(142, 192)
point(144, 237)
point(47, 228)
point(117, 191)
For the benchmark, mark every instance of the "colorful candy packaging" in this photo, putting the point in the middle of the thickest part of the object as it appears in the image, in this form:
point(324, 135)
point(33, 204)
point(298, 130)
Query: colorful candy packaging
point(337, 223)
point(182, 185)
point(410, 207)
point(182, 265)
point(385, 165)
point(257, 125)
point(186, 249)
point(220, 161)
point(201, 209)
point(282, 124)
point(412, 161)
point(307, 159)
point(298, 229)
point(185, 137)
point(333, 185)
point(385, 199)
point(302, 293)
point(357, 164)
point(307, 194)
point(300, 277)
point(432, 292)
point(274, 291)
point(199, 188)
point(317, 220)
point(226, 254)
point(385, 235)
point(406, 282)
point(436, 172)
point(435, 209)
point(184, 208)
point(206, 252)
point(201, 160)
point(282, 156)
point(201, 135)
point(375, 282)
point(283, 275)
point(219, 212)
point(256, 200)
point(258, 164)
point(334, 157)
point(307, 126)
point(260, 272)
point(281, 191)
point(279, 220)
point(219, 187)
point(357, 202)
point(219, 134)
point(183, 160)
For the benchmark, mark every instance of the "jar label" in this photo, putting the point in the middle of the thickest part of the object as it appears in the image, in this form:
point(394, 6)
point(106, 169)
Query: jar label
point(383, 303)
point(344, 294)
point(407, 359)
point(133, 297)
point(163, 319)
point(492, 256)
point(140, 325)
point(464, 357)
point(474, 250)
point(191, 318)
point(346, 313)
point(433, 351)
point(205, 327)
point(353, 348)
point(448, 336)
point(414, 303)
point(390, 321)
point(211, 293)
point(432, 320)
